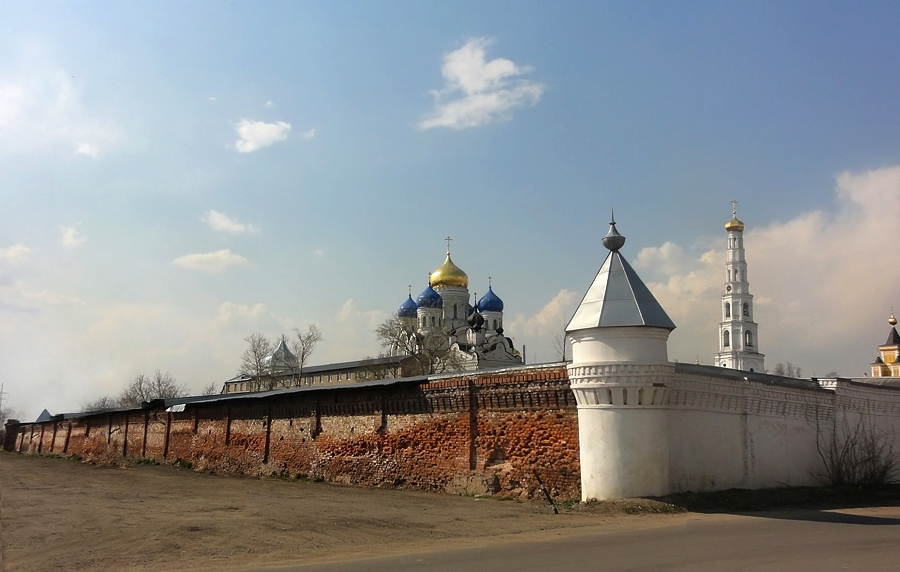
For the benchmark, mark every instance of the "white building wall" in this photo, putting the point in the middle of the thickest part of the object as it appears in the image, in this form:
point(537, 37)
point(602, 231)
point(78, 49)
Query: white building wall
point(727, 432)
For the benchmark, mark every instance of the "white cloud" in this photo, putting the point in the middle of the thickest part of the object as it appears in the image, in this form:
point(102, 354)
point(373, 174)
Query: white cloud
point(477, 91)
point(543, 331)
point(349, 335)
point(258, 134)
point(212, 99)
point(216, 262)
point(42, 106)
point(823, 288)
point(15, 254)
point(318, 253)
point(309, 134)
point(23, 296)
point(222, 223)
point(70, 237)
point(269, 104)
point(86, 149)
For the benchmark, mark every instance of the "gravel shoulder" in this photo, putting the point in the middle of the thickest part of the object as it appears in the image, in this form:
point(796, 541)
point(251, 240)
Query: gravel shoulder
point(58, 514)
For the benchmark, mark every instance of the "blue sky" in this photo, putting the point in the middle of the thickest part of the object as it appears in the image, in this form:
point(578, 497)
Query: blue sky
point(177, 176)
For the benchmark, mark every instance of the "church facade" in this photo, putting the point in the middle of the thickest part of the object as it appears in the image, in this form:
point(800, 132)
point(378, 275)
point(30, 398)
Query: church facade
point(443, 319)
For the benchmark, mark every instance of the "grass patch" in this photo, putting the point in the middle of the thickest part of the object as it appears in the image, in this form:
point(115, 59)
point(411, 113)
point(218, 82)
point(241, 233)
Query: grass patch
point(151, 462)
point(182, 464)
point(76, 458)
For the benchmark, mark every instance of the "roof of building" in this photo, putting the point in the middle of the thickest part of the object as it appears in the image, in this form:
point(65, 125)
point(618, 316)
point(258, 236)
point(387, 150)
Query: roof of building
point(490, 302)
point(893, 337)
point(429, 298)
point(407, 308)
point(449, 274)
point(281, 357)
point(618, 297)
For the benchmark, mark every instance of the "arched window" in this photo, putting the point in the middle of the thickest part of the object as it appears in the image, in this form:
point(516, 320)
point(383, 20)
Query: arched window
point(424, 323)
point(746, 309)
point(729, 275)
point(454, 312)
point(432, 321)
point(737, 275)
point(495, 324)
point(726, 335)
point(727, 310)
point(748, 339)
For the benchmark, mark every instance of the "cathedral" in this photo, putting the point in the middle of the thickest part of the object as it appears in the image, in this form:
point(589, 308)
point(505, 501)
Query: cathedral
point(443, 320)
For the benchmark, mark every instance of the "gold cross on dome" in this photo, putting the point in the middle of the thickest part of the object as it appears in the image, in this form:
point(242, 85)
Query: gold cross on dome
point(448, 239)
point(733, 207)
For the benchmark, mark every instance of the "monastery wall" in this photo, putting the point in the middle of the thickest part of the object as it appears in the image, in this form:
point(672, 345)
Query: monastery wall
point(480, 433)
point(728, 430)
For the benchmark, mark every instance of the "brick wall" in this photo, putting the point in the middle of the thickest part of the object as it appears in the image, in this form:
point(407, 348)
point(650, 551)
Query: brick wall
point(484, 432)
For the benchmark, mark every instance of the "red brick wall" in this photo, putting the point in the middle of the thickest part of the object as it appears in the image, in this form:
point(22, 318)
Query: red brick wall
point(492, 428)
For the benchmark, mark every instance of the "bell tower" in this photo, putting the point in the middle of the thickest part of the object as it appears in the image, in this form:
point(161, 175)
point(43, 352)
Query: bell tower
point(738, 339)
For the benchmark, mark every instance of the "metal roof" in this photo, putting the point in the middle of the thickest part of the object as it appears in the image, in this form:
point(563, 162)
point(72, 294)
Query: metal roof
point(618, 297)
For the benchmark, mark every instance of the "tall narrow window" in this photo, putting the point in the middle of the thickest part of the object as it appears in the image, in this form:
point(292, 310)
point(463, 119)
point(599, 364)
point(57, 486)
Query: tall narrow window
point(726, 339)
point(424, 323)
point(748, 339)
point(432, 321)
point(727, 310)
point(746, 309)
point(454, 312)
point(495, 324)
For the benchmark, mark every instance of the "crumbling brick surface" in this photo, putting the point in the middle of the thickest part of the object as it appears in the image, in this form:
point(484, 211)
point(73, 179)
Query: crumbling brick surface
point(475, 433)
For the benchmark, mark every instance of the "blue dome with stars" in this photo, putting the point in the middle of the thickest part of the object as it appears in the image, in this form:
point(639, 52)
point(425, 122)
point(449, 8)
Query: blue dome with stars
point(490, 302)
point(407, 308)
point(430, 299)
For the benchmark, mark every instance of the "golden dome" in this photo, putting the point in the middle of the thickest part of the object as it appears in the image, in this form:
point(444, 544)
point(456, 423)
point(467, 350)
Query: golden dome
point(449, 274)
point(892, 321)
point(734, 224)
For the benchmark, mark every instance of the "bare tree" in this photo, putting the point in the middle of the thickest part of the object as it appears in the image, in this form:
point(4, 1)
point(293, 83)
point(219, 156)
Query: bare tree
point(7, 413)
point(432, 351)
point(789, 370)
point(211, 389)
point(145, 388)
point(857, 455)
point(305, 344)
point(105, 403)
point(254, 364)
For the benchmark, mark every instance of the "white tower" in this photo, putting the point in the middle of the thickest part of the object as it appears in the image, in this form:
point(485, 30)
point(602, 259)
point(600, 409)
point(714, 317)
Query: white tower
point(738, 339)
point(620, 374)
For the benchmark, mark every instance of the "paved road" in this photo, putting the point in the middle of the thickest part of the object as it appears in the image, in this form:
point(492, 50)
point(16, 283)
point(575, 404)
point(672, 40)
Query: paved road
point(796, 541)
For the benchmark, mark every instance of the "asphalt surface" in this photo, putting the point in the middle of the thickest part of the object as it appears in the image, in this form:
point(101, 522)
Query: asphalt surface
point(796, 541)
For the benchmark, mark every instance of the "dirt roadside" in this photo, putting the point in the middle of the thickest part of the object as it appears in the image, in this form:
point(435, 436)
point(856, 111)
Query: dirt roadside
point(56, 514)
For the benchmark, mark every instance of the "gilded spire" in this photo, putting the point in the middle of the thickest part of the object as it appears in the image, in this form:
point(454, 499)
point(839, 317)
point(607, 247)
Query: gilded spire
point(734, 224)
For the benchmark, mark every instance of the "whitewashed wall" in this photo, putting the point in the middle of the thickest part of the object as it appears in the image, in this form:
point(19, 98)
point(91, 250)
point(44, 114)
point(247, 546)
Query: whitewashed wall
point(728, 431)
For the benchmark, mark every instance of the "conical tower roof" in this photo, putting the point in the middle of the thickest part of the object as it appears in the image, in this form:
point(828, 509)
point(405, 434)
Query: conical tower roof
point(618, 297)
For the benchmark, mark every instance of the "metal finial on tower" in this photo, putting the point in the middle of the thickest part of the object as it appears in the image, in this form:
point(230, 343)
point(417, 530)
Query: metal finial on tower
point(429, 278)
point(448, 239)
point(409, 287)
point(892, 320)
point(734, 207)
point(489, 282)
point(613, 240)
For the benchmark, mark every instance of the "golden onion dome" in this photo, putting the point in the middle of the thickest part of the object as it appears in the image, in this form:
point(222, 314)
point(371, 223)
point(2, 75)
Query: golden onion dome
point(449, 274)
point(734, 224)
point(892, 321)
